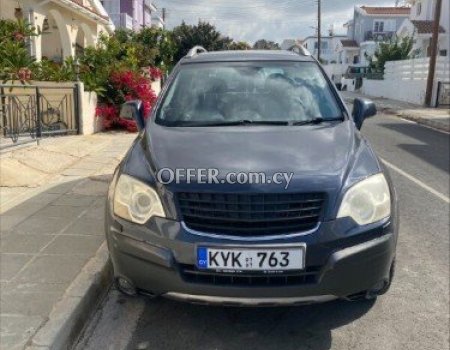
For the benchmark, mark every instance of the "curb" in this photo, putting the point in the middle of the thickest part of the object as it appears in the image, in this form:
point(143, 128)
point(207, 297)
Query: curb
point(68, 317)
point(435, 124)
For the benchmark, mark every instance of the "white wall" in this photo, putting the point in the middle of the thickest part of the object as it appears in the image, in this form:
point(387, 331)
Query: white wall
point(407, 80)
point(407, 91)
point(156, 86)
point(7, 9)
point(89, 122)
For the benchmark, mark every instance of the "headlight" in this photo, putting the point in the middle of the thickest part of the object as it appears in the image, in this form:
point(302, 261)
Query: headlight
point(135, 201)
point(367, 201)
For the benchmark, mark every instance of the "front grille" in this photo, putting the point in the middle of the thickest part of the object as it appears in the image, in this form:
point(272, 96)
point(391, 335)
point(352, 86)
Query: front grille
point(251, 214)
point(191, 274)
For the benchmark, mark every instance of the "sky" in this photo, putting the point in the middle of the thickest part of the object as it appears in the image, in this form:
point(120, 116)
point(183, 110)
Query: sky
point(276, 20)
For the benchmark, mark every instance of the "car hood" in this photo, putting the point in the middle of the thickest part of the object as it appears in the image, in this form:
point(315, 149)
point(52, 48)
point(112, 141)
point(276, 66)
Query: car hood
point(325, 158)
point(319, 151)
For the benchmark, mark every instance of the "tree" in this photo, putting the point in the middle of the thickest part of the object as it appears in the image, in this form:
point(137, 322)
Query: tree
point(397, 49)
point(263, 44)
point(204, 34)
point(239, 45)
point(158, 45)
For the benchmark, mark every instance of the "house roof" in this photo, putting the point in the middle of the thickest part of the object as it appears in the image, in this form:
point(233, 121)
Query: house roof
point(349, 43)
point(401, 11)
point(426, 27)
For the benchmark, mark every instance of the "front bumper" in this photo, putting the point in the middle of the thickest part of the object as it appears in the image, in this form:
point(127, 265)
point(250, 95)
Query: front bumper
point(347, 263)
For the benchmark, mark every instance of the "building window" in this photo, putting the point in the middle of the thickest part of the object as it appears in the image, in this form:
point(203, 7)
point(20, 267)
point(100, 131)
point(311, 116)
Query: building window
point(378, 26)
point(418, 9)
point(443, 53)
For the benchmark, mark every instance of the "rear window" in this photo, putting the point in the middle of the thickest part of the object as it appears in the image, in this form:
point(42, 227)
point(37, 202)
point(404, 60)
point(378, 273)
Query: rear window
point(256, 91)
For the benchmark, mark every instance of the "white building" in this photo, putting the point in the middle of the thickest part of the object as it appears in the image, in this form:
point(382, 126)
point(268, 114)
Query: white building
point(133, 14)
point(328, 46)
point(158, 20)
point(347, 51)
point(370, 26)
point(420, 27)
point(67, 26)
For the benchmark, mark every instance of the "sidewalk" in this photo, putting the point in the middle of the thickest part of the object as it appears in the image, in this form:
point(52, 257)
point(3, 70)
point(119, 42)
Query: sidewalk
point(52, 210)
point(433, 117)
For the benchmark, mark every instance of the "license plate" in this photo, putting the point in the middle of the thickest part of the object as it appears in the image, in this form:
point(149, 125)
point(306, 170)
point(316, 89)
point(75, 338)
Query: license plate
point(251, 259)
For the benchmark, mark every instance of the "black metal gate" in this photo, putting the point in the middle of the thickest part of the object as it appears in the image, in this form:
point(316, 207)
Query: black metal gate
point(30, 112)
point(443, 94)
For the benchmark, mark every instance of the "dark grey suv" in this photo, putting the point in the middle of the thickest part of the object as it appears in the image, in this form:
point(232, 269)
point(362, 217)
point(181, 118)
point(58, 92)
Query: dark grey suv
point(251, 184)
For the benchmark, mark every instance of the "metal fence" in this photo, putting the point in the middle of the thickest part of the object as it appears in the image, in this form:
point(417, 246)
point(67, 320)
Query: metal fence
point(31, 111)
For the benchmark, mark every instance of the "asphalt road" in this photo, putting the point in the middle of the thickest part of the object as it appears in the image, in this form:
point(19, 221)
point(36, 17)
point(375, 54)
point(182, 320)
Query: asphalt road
point(413, 315)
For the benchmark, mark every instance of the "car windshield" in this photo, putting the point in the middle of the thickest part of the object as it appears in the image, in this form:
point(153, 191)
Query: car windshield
point(222, 93)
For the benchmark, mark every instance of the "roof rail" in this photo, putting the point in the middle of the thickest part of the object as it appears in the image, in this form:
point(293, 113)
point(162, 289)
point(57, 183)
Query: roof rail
point(196, 50)
point(299, 49)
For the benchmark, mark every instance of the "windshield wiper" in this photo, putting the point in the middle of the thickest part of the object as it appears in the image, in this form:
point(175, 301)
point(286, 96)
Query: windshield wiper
point(232, 123)
point(317, 120)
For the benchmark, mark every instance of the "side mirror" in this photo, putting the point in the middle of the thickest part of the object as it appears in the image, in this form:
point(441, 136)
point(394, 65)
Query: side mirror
point(362, 109)
point(132, 110)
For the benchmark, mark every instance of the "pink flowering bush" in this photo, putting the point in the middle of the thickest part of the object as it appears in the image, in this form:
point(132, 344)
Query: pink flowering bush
point(154, 73)
point(125, 86)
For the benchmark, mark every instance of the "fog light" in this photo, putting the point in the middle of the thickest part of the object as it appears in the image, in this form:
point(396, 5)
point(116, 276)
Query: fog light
point(125, 286)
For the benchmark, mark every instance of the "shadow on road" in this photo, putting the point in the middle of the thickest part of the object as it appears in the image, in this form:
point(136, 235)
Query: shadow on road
point(172, 325)
point(429, 142)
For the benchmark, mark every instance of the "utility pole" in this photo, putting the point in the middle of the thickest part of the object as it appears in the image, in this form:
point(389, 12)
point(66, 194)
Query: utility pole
point(319, 29)
point(164, 15)
point(433, 55)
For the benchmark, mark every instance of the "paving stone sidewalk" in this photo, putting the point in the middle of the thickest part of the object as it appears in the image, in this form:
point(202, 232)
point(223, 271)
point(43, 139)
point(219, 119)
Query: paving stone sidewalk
point(438, 118)
point(51, 224)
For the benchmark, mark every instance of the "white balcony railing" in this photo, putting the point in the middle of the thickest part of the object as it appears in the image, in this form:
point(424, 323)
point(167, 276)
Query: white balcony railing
point(122, 20)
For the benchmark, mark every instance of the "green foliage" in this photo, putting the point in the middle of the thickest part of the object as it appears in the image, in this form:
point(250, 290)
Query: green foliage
point(186, 37)
point(15, 60)
point(263, 44)
point(239, 45)
point(125, 50)
point(97, 63)
point(158, 46)
point(395, 50)
point(47, 70)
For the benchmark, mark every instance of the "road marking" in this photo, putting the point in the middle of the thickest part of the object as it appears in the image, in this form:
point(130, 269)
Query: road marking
point(417, 181)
